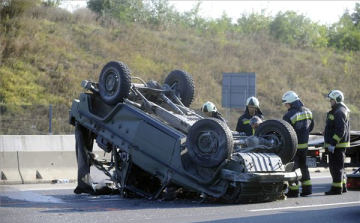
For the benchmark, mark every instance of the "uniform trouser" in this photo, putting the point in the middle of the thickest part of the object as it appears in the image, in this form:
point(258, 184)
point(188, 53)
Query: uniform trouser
point(336, 166)
point(300, 162)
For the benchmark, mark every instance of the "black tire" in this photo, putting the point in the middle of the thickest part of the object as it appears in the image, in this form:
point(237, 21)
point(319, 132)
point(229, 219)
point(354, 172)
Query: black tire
point(183, 84)
point(280, 129)
point(114, 82)
point(209, 142)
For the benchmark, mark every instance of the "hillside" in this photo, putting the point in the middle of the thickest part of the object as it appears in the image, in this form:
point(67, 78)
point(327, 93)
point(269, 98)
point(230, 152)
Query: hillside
point(46, 53)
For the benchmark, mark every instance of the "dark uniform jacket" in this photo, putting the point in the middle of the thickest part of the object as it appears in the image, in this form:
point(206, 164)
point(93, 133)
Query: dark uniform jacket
point(243, 124)
point(337, 128)
point(301, 119)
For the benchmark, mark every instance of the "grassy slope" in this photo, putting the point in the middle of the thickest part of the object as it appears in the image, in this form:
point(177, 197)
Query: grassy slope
point(47, 53)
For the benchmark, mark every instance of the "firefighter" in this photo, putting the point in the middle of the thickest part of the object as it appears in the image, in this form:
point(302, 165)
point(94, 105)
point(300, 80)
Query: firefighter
point(252, 109)
point(337, 139)
point(301, 119)
point(209, 109)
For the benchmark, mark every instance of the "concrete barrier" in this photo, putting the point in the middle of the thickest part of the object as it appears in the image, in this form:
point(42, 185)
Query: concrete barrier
point(9, 168)
point(26, 159)
point(44, 167)
point(10, 143)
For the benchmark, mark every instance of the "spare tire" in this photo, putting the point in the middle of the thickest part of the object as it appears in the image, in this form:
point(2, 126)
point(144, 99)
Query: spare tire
point(282, 131)
point(114, 82)
point(209, 142)
point(183, 85)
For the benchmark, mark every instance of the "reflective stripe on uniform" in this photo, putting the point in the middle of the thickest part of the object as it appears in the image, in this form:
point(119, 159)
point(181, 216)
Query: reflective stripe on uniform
point(339, 145)
point(296, 187)
point(246, 121)
point(306, 183)
point(303, 146)
point(337, 184)
point(301, 116)
point(331, 117)
point(337, 138)
point(253, 131)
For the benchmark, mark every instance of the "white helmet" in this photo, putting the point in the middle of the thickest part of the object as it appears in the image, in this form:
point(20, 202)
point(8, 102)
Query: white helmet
point(289, 97)
point(252, 101)
point(208, 107)
point(337, 95)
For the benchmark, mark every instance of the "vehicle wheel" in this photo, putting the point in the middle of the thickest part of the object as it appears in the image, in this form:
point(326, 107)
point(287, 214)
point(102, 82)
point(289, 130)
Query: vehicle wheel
point(183, 84)
point(114, 82)
point(282, 134)
point(209, 142)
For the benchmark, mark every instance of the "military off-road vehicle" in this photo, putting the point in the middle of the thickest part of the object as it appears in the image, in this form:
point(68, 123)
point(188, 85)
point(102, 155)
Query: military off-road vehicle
point(161, 148)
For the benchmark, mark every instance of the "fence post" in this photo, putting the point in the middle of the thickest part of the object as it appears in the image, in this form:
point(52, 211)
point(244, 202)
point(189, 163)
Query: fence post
point(50, 118)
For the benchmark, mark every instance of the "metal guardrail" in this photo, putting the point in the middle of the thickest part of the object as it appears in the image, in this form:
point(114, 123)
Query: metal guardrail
point(53, 120)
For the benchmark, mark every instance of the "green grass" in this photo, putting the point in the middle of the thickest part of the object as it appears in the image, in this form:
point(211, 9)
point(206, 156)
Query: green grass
point(45, 57)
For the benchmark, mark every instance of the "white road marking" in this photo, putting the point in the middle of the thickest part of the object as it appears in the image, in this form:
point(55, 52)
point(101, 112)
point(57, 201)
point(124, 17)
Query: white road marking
point(305, 206)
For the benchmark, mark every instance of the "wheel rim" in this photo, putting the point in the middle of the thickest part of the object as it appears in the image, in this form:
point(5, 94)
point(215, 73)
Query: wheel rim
point(206, 143)
point(111, 83)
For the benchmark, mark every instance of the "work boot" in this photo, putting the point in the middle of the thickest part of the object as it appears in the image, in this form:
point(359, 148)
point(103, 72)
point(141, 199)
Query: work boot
point(292, 193)
point(306, 190)
point(344, 188)
point(334, 191)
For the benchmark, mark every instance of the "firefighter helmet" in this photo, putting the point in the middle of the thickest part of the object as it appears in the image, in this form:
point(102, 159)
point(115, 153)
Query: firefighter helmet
point(252, 101)
point(289, 97)
point(208, 107)
point(337, 95)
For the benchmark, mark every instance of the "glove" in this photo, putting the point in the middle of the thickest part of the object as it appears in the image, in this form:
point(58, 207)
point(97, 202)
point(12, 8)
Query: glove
point(331, 148)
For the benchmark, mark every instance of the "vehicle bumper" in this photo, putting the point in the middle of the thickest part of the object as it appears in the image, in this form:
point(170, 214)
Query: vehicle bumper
point(272, 177)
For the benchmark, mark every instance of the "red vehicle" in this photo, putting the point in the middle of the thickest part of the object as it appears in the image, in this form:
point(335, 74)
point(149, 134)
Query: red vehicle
point(353, 180)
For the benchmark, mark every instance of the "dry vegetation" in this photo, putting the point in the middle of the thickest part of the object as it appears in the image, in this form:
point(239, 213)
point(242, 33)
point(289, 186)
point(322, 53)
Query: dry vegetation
point(46, 53)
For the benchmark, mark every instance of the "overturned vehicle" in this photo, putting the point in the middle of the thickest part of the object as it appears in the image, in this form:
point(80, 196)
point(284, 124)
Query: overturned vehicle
point(159, 148)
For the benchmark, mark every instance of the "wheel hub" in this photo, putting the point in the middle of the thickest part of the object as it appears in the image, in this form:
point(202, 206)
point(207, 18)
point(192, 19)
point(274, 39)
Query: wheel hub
point(110, 83)
point(207, 143)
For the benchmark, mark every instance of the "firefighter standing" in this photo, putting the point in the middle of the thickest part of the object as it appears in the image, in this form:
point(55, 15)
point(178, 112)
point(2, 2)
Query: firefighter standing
point(210, 110)
point(252, 109)
point(301, 119)
point(337, 139)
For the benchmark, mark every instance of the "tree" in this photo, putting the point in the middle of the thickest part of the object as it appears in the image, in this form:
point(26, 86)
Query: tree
point(124, 10)
point(51, 3)
point(296, 30)
point(12, 8)
point(254, 22)
point(355, 16)
point(345, 34)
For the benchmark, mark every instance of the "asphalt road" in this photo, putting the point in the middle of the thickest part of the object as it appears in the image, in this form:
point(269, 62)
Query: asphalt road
point(57, 203)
